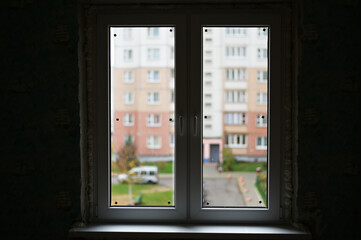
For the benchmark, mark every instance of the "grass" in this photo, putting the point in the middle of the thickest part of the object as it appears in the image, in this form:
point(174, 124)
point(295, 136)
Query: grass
point(246, 167)
point(163, 167)
point(261, 185)
point(157, 198)
point(149, 199)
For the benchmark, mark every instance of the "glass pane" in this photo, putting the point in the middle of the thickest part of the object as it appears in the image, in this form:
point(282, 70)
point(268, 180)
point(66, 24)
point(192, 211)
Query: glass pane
point(235, 148)
point(142, 99)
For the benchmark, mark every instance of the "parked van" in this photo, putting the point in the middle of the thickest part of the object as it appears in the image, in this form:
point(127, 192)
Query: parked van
point(142, 174)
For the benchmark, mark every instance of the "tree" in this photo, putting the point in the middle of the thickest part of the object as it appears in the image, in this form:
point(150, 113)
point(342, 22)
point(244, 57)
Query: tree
point(228, 158)
point(127, 157)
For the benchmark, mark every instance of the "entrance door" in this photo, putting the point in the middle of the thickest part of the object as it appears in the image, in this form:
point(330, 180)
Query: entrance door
point(214, 153)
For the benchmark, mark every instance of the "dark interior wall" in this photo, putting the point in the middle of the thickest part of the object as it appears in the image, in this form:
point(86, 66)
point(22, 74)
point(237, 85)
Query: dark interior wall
point(40, 126)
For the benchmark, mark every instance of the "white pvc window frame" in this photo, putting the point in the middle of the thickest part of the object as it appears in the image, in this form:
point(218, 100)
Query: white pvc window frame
point(188, 205)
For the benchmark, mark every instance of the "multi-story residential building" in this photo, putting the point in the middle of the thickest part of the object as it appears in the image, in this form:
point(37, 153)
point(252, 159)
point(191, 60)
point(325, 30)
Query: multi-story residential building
point(143, 92)
point(235, 76)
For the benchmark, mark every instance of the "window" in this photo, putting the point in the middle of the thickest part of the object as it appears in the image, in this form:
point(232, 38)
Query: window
point(128, 54)
point(236, 96)
point(208, 74)
point(128, 98)
point(153, 76)
point(235, 118)
point(128, 119)
point(153, 120)
point(171, 139)
point(127, 33)
point(235, 52)
point(234, 140)
point(262, 98)
point(194, 96)
point(261, 143)
point(262, 53)
point(153, 98)
point(128, 140)
point(153, 32)
point(236, 74)
point(262, 32)
point(154, 142)
point(261, 120)
point(128, 77)
point(153, 54)
point(262, 76)
point(236, 32)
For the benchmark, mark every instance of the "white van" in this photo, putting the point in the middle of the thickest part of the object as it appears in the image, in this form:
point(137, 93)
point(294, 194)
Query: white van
point(142, 174)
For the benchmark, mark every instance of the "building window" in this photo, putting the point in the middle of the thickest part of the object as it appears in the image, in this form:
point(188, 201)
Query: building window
point(235, 52)
point(236, 32)
point(127, 33)
point(235, 118)
point(128, 140)
point(128, 77)
point(235, 74)
point(128, 98)
point(153, 54)
point(261, 76)
point(234, 140)
point(261, 143)
point(153, 120)
point(261, 120)
point(208, 105)
point(208, 126)
point(262, 98)
point(172, 96)
point(208, 83)
point(171, 139)
point(153, 98)
point(262, 53)
point(153, 76)
point(235, 96)
point(208, 74)
point(154, 142)
point(153, 32)
point(128, 55)
point(262, 32)
point(128, 119)
point(208, 95)
point(171, 52)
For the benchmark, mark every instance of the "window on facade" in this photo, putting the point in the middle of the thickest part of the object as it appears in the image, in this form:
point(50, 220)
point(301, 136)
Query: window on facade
point(236, 32)
point(235, 52)
point(153, 76)
point(128, 77)
point(235, 74)
point(262, 98)
point(128, 55)
point(128, 98)
point(262, 53)
point(261, 120)
point(154, 142)
point(153, 32)
point(235, 140)
point(261, 143)
point(262, 32)
point(235, 118)
point(262, 76)
point(153, 120)
point(127, 33)
point(153, 98)
point(153, 54)
point(171, 139)
point(235, 96)
point(128, 119)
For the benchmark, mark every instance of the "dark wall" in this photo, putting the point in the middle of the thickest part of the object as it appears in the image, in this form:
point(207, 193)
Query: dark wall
point(40, 126)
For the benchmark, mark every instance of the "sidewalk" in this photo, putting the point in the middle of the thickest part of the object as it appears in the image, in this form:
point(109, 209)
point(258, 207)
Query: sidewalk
point(245, 180)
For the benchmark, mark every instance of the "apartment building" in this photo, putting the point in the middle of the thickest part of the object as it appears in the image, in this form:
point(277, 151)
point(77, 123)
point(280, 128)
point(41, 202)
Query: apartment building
point(235, 93)
point(143, 91)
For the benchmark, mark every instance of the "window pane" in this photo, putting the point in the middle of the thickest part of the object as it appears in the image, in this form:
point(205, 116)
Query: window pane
point(235, 150)
point(142, 99)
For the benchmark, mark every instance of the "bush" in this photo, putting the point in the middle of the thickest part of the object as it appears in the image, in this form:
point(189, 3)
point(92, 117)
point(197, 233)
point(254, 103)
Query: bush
point(228, 158)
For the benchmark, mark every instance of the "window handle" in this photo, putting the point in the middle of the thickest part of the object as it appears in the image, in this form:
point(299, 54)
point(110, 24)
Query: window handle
point(195, 125)
point(181, 125)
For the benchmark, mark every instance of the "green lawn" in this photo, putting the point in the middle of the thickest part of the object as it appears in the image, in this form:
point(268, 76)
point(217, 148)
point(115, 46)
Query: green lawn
point(261, 185)
point(158, 198)
point(163, 167)
point(246, 167)
point(119, 189)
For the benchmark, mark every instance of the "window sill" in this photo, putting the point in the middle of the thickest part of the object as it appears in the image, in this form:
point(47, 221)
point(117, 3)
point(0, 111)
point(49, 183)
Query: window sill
point(157, 231)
